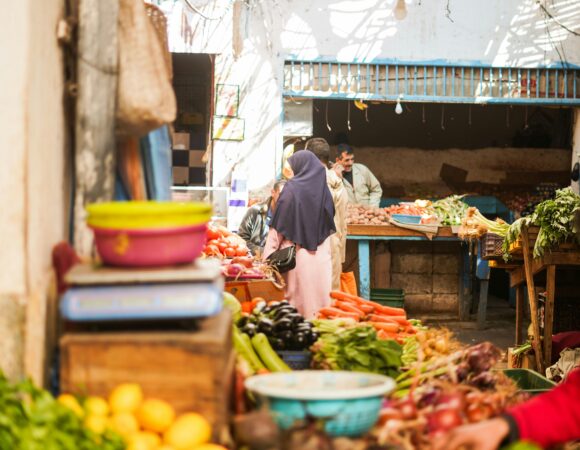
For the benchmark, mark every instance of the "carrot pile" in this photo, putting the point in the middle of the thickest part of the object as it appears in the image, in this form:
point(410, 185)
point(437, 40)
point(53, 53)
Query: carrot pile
point(390, 323)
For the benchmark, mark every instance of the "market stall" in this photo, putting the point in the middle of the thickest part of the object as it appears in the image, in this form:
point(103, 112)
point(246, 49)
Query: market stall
point(424, 221)
point(522, 273)
point(365, 234)
point(534, 247)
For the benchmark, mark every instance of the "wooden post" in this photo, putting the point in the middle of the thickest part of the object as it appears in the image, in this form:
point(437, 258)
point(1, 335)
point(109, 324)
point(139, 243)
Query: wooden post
point(549, 312)
point(537, 344)
point(519, 313)
point(95, 111)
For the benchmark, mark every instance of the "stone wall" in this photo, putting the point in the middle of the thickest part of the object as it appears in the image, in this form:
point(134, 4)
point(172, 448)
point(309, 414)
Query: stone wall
point(428, 272)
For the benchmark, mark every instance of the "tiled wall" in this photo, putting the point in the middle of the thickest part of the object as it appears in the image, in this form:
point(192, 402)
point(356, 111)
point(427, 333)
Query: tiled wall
point(188, 166)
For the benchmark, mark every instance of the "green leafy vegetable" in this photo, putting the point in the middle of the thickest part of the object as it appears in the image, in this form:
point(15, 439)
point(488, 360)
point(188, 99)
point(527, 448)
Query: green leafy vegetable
point(31, 419)
point(357, 349)
point(450, 210)
point(557, 219)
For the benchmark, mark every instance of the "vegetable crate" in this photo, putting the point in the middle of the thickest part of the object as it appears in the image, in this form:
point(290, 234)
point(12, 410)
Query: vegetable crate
point(491, 246)
point(192, 370)
point(529, 381)
point(389, 297)
point(296, 360)
point(517, 247)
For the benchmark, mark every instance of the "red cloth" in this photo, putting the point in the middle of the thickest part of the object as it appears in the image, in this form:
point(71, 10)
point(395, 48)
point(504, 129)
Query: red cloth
point(560, 341)
point(553, 417)
point(64, 258)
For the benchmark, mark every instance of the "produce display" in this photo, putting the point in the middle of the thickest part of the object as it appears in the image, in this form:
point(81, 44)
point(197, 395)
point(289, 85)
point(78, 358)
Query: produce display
point(141, 423)
point(389, 322)
point(440, 384)
point(244, 267)
point(281, 323)
point(417, 208)
point(357, 349)
point(558, 219)
point(31, 418)
point(474, 225)
point(435, 397)
point(366, 215)
point(222, 243)
point(448, 211)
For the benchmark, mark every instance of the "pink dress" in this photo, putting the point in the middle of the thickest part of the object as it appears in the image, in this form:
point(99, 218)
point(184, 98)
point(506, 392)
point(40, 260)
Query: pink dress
point(308, 286)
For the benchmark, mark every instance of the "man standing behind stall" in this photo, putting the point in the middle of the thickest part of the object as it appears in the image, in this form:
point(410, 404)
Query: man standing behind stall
point(256, 223)
point(321, 149)
point(361, 185)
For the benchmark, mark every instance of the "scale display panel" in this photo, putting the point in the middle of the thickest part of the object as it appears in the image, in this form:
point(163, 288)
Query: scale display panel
point(139, 302)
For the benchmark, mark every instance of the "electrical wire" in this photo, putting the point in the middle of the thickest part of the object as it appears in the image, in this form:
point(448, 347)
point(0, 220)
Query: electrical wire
point(554, 45)
point(575, 33)
point(206, 17)
point(448, 11)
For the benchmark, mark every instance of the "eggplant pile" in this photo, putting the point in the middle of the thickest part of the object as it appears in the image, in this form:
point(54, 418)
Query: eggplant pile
point(285, 328)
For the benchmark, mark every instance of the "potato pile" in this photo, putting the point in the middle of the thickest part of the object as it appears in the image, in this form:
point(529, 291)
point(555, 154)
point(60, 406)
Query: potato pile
point(366, 215)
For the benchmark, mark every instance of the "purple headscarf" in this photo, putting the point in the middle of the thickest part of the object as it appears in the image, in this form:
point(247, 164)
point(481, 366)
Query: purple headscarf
point(305, 211)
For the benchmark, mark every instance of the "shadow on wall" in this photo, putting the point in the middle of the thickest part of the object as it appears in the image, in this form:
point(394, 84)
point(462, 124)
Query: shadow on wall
point(496, 32)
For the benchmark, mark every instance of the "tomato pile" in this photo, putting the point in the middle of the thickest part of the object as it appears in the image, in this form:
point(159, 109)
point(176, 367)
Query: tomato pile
point(222, 243)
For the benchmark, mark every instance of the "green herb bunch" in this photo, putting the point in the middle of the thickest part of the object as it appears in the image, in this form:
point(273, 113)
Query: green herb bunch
point(358, 349)
point(558, 219)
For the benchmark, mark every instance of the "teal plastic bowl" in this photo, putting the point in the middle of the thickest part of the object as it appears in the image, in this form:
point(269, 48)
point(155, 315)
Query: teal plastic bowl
point(348, 402)
point(407, 218)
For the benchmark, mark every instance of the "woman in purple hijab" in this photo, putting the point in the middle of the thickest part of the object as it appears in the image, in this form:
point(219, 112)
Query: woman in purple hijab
point(305, 216)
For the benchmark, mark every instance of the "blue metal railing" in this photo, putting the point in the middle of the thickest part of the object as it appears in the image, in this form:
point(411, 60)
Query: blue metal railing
point(433, 82)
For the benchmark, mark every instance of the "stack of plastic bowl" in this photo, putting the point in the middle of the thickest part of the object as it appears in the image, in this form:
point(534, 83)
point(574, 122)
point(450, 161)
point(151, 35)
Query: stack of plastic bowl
point(145, 234)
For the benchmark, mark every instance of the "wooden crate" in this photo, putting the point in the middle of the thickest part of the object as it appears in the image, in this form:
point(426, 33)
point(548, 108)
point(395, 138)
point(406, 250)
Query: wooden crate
point(192, 370)
point(517, 247)
point(247, 290)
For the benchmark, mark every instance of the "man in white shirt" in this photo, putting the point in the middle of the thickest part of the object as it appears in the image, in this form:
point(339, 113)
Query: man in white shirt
point(361, 185)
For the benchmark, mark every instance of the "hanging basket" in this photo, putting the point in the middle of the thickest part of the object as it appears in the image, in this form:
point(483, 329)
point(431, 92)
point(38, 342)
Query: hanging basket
point(145, 96)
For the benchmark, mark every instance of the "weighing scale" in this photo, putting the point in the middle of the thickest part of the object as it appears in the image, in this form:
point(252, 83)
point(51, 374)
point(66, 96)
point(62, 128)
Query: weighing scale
point(107, 294)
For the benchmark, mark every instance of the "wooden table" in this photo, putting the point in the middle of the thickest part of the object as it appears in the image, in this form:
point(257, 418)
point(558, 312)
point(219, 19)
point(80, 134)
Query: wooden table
point(364, 234)
point(522, 274)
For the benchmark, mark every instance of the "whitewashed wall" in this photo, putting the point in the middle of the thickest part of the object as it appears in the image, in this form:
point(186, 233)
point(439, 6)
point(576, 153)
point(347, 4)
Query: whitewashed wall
point(251, 43)
point(32, 177)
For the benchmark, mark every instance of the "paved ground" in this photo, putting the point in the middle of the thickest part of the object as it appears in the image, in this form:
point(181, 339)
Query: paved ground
point(499, 329)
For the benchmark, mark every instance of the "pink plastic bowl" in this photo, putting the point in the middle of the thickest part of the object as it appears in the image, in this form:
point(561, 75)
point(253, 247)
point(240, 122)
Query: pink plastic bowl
point(150, 247)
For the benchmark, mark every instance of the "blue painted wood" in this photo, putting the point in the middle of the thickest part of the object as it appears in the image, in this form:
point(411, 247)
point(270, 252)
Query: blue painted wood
point(430, 62)
point(464, 283)
point(399, 238)
point(364, 268)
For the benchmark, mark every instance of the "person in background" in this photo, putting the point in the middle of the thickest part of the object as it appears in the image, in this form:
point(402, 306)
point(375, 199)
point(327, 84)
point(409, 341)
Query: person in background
point(304, 217)
point(361, 185)
point(321, 150)
point(256, 223)
point(548, 419)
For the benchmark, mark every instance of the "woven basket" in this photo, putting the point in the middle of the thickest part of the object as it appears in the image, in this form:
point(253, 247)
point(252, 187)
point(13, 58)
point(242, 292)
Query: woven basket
point(491, 246)
point(159, 22)
point(145, 97)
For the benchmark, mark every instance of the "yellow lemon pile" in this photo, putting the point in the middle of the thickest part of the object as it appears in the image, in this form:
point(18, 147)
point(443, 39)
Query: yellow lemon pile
point(144, 423)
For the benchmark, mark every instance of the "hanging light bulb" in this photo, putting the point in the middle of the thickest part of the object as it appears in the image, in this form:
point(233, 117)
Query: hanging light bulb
point(400, 10)
point(399, 108)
